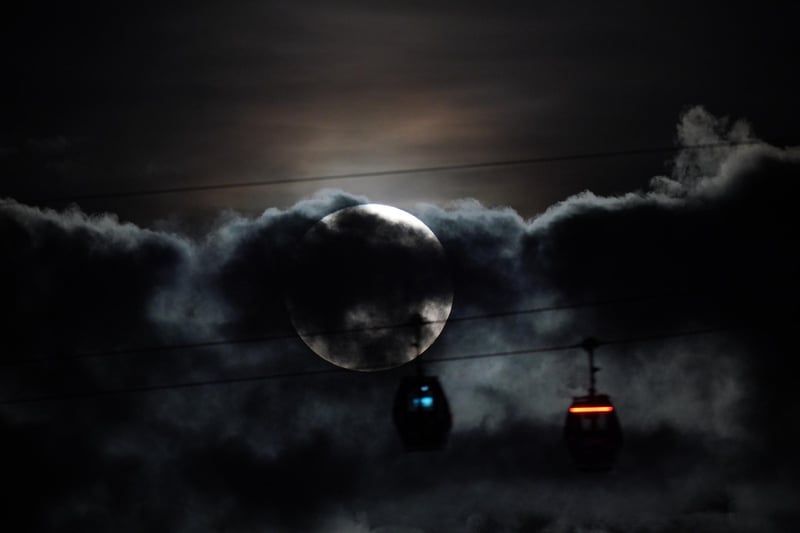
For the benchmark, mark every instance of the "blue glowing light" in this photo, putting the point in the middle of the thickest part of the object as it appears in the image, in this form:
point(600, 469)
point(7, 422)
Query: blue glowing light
point(424, 388)
point(424, 402)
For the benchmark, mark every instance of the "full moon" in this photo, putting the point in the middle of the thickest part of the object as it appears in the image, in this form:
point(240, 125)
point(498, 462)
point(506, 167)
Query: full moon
point(369, 288)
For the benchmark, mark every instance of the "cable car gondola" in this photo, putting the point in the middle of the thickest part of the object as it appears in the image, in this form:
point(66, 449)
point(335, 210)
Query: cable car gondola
point(592, 431)
point(422, 414)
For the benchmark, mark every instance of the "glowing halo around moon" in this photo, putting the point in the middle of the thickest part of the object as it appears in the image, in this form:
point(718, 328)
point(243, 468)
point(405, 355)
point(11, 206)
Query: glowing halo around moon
point(369, 287)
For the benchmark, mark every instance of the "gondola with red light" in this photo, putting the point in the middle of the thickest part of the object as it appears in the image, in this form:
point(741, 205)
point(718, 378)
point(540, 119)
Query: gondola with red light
point(592, 431)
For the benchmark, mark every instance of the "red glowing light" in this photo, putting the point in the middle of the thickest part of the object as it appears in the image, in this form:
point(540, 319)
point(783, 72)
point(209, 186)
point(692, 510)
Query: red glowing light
point(592, 409)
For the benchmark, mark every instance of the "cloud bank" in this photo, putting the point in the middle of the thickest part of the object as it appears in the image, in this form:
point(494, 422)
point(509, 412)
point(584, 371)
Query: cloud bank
point(709, 425)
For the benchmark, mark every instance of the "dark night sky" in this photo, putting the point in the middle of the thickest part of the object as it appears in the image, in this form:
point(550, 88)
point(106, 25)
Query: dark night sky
point(102, 98)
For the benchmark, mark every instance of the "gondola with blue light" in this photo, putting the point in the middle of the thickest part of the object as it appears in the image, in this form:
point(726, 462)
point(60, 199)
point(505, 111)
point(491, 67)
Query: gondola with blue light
point(421, 411)
point(422, 414)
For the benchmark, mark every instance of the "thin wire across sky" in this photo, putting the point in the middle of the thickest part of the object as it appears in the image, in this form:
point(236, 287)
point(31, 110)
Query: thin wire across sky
point(182, 189)
point(141, 350)
point(77, 395)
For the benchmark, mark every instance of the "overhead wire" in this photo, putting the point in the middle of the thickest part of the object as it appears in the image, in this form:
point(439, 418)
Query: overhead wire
point(317, 372)
point(344, 331)
point(391, 172)
point(571, 346)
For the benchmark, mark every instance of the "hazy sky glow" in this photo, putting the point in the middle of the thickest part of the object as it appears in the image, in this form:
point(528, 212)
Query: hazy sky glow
point(135, 96)
point(101, 97)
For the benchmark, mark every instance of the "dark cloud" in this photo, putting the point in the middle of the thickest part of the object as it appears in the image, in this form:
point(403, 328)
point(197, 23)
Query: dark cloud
point(289, 489)
point(709, 422)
